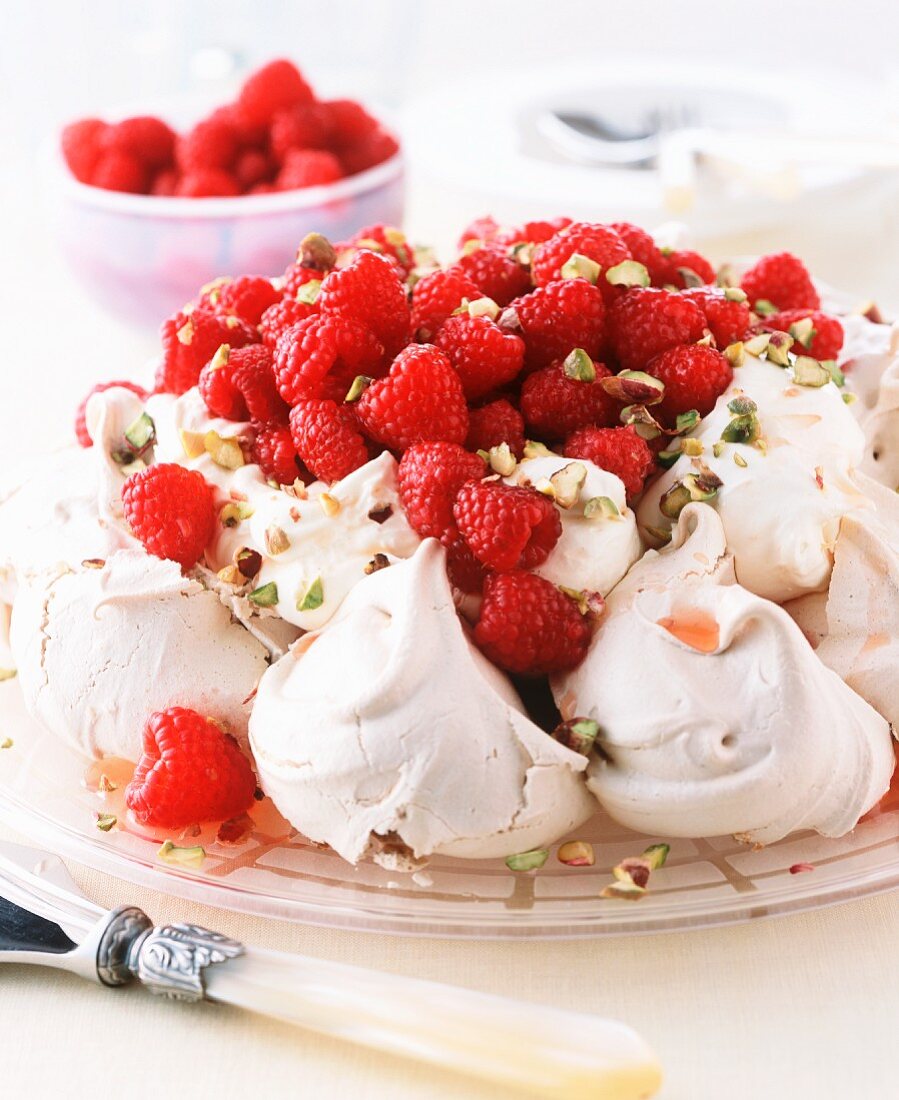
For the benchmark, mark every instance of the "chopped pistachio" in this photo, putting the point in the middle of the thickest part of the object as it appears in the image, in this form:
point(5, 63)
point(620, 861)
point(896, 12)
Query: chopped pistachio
point(226, 453)
point(726, 277)
point(106, 785)
point(644, 423)
point(474, 244)
point(6, 743)
point(634, 386)
point(330, 505)
point(312, 597)
point(740, 460)
point(106, 821)
point(742, 405)
point(623, 891)
point(689, 277)
point(276, 540)
point(181, 857)
point(581, 267)
point(360, 384)
point(308, 292)
point(628, 273)
point(93, 563)
point(803, 332)
point(185, 334)
point(576, 853)
point(546, 487)
point(701, 486)
point(660, 534)
point(666, 459)
point(634, 870)
point(141, 434)
point(483, 307)
point(734, 354)
point(567, 483)
point(577, 734)
point(601, 508)
point(692, 447)
point(742, 429)
point(809, 372)
point(849, 398)
point(757, 345)
point(685, 422)
point(734, 294)
point(192, 443)
point(221, 357)
point(501, 460)
point(718, 448)
point(839, 379)
point(8, 674)
point(708, 341)
point(234, 512)
point(533, 449)
point(656, 855)
point(264, 596)
point(764, 308)
point(779, 345)
point(231, 575)
point(528, 861)
point(579, 366)
point(248, 562)
point(377, 563)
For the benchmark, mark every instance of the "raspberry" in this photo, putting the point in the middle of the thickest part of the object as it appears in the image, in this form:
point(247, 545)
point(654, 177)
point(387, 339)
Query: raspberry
point(250, 135)
point(275, 87)
point(212, 143)
point(207, 183)
point(275, 452)
point(369, 152)
point(678, 268)
point(307, 168)
point(619, 450)
point(506, 527)
point(555, 318)
point(694, 376)
point(389, 241)
point(189, 341)
point(599, 243)
point(253, 373)
point(327, 438)
point(646, 321)
point(219, 390)
point(429, 477)
point(348, 121)
point(190, 771)
point(493, 424)
point(529, 627)
point(642, 247)
point(484, 229)
point(81, 146)
point(421, 399)
point(323, 348)
point(115, 171)
point(305, 126)
point(532, 232)
point(435, 297)
point(281, 316)
point(247, 297)
point(251, 168)
point(81, 432)
point(783, 280)
point(554, 404)
point(484, 356)
point(729, 321)
point(463, 569)
point(825, 339)
point(170, 509)
point(369, 291)
point(165, 183)
point(148, 139)
point(494, 273)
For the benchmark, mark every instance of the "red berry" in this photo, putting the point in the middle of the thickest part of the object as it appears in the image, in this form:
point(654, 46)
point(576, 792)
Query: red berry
point(729, 321)
point(619, 450)
point(599, 243)
point(370, 292)
point(483, 229)
point(207, 183)
point(189, 341)
point(190, 771)
point(378, 146)
point(823, 342)
point(281, 316)
point(681, 268)
point(506, 527)
point(308, 168)
point(646, 321)
point(493, 424)
point(148, 139)
point(642, 247)
point(495, 273)
point(252, 167)
point(484, 356)
point(436, 296)
point(275, 452)
point(388, 241)
point(275, 87)
point(556, 318)
point(429, 477)
point(554, 402)
point(694, 376)
point(348, 121)
point(305, 126)
point(247, 297)
point(170, 509)
point(532, 232)
point(81, 432)
point(81, 146)
point(212, 143)
point(115, 171)
point(323, 349)
point(165, 183)
point(254, 375)
point(527, 626)
point(327, 438)
point(783, 280)
point(463, 569)
point(421, 399)
point(219, 390)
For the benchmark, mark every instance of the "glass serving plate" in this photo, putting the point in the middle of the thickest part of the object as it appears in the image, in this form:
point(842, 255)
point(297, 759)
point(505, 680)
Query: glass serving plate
point(46, 795)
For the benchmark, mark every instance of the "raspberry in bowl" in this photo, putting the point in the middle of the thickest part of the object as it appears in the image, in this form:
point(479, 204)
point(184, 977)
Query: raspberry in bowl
point(147, 208)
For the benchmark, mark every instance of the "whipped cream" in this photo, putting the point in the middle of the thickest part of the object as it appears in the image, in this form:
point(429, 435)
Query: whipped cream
point(389, 723)
point(716, 716)
point(592, 554)
point(100, 649)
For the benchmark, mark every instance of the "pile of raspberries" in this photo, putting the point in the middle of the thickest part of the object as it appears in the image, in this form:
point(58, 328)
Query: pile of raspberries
point(275, 137)
point(584, 339)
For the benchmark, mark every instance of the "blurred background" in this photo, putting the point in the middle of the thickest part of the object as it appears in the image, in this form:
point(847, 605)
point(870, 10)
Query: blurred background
point(758, 127)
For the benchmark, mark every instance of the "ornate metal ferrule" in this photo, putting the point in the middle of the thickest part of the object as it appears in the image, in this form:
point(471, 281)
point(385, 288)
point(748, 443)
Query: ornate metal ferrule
point(125, 927)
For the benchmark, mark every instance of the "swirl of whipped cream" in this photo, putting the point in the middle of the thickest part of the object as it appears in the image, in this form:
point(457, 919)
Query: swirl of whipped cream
point(716, 716)
point(592, 554)
point(100, 649)
point(388, 722)
point(781, 507)
point(870, 357)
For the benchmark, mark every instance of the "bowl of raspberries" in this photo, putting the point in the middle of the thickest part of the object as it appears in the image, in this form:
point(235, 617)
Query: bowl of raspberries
point(146, 211)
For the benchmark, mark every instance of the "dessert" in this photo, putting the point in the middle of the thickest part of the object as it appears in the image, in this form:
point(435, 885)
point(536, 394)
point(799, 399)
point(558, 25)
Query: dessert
point(374, 509)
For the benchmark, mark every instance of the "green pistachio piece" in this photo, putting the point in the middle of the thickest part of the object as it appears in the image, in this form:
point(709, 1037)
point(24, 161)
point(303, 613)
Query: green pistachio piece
point(655, 855)
point(181, 857)
point(809, 372)
point(141, 434)
point(581, 267)
point(601, 508)
point(313, 596)
point(628, 273)
point(579, 366)
point(265, 596)
point(528, 861)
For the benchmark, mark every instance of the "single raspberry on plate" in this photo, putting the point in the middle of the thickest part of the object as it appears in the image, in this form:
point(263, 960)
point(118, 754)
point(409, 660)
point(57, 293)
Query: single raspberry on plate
point(823, 339)
point(282, 316)
point(308, 168)
point(252, 167)
point(275, 87)
point(81, 432)
point(485, 357)
point(212, 143)
point(115, 171)
point(495, 273)
point(437, 296)
point(567, 395)
point(495, 423)
point(170, 510)
point(81, 146)
point(783, 280)
point(420, 399)
point(190, 771)
point(694, 376)
point(145, 137)
point(528, 626)
point(682, 268)
point(619, 450)
point(646, 321)
point(556, 318)
point(305, 126)
point(642, 247)
point(506, 526)
point(207, 183)
point(189, 341)
point(247, 297)
point(531, 232)
point(322, 348)
point(599, 243)
point(378, 146)
point(485, 228)
point(429, 477)
point(389, 241)
point(327, 438)
point(276, 453)
point(370, 292)
point(728, 320)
